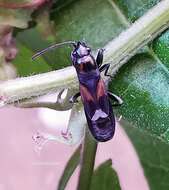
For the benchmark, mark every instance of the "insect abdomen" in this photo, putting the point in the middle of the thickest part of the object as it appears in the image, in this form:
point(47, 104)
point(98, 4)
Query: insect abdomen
point(102, 129)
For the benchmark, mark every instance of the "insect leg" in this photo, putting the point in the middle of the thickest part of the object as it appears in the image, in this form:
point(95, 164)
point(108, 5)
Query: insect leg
point(105, 68)
point(99, 58)
point(116, 98)
point(73, 99)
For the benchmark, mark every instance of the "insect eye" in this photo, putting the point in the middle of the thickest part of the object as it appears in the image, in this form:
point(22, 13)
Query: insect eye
point(88, 49)
point(75, 54)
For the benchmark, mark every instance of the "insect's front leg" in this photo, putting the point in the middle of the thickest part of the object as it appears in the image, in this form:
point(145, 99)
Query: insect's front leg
point(99, 58)
point(105, 68)
point(73, 99)
point(116, 98)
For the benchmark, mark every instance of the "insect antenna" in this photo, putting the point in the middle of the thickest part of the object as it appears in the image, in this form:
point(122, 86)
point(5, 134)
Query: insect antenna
point(39, 53)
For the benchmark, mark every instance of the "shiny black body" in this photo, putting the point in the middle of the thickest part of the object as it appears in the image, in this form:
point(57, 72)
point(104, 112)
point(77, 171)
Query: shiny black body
point(95, 97)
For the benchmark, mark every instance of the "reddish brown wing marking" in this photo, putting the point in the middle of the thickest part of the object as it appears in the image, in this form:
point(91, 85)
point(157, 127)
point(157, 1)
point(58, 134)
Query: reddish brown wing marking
point(101, 91)
point(85, 94)
point(81, 67)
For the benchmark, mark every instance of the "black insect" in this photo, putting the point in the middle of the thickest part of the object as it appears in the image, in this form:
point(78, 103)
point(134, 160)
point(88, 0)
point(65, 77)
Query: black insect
point(95, 97)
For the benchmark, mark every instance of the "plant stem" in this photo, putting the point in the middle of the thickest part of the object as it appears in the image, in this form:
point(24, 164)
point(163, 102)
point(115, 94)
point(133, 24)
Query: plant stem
point(87, 162)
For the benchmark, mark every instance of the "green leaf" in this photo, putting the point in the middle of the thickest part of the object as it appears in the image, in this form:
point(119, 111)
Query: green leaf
point(143, 83)
point(27, 38)
point(153, 154)
point(135, 9)
point(69, 169)
point(105, 177)
point(25, 65)
point(161, 48)
point(144, 89)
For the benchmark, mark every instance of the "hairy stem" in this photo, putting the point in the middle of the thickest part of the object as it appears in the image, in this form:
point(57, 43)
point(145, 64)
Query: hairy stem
point(117, 52)
point(87, 162)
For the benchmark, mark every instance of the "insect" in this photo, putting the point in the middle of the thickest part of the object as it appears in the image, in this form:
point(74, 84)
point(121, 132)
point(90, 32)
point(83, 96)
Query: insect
point(95, 97)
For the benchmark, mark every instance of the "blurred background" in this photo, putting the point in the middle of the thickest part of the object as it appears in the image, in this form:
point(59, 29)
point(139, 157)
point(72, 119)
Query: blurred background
point(25, 167)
